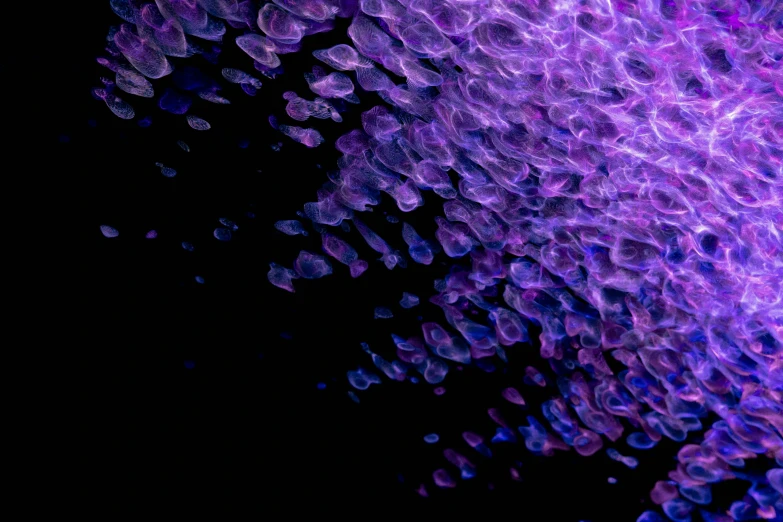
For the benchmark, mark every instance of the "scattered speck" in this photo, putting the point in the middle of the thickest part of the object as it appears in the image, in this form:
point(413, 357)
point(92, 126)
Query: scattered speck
point(383, 313)
point(108, 231)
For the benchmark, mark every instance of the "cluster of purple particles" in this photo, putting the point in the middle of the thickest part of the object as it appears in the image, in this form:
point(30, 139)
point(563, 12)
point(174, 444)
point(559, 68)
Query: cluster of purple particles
point(610, 172)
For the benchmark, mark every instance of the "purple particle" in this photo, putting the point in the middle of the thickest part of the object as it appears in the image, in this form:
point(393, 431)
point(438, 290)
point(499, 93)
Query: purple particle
point(222, 234)
point(383, 313)
point(409, 300)
point(108, 231)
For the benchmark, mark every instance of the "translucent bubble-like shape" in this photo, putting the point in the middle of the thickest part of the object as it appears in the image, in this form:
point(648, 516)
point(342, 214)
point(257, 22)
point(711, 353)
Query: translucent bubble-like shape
point(281, 277)
point(222, 234)
point(109, 231)
point(383, 313)
point(257, 47)
point(291, 227)
point(312, 266)
point(134, 83)
point(197, 123)
point(280, 24)
point(409, 300)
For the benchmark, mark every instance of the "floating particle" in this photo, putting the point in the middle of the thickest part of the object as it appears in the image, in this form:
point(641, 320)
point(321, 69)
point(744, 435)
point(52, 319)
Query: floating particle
point(240, 77)
point(534, 377)
point(383, 313)
point(650, 516)
point(184, 146)
point(152, 234)
point(431, 438)
point(200, 280)
point(354, 397)
point(228, 224)
point(611, 480)
point(291, 227)
point(133, 83)
point(640, 440)
point(197, 123)
point(358, 267)
point(307, 137)
point(677, 509)
point(409, 300)
point(392, 219)
point(214, 98)
point(188, 246)
point(108, 231)
point(222, 234)
point(282, 277)
point(443, 479)
point(440, 390)
point(312, 266)
point(512, 395)
point(362, 379)
point(119, 107)
point(175, 102)
point(145, 122)
point(166, 171)
point(321, 386)
point(190, 365)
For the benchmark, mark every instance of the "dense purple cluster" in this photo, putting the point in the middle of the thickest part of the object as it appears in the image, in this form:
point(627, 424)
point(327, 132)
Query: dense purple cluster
point(611, 172)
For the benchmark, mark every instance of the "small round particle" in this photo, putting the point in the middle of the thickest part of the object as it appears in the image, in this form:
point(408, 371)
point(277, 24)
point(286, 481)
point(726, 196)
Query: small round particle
point(222, 234)
point(431, 438)
point(200, 280)
point(108, 231)
point(190, 365)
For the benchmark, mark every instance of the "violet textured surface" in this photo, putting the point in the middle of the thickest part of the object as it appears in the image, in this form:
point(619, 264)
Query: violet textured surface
point(610, 176)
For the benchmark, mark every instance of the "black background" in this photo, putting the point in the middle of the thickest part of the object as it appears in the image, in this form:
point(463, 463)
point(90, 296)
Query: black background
point(247, 430)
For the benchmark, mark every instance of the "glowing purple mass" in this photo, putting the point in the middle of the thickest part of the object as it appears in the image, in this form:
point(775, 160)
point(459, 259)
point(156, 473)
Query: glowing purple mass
point(609, 175)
